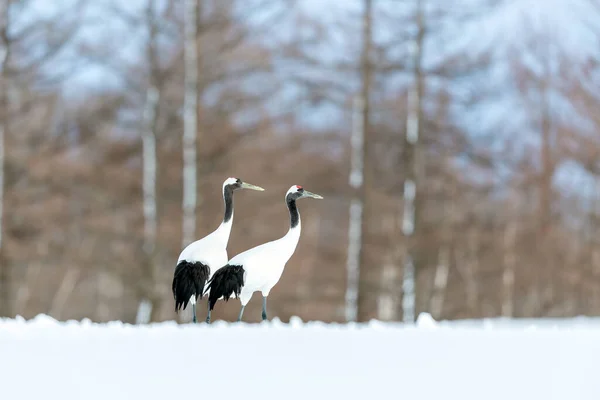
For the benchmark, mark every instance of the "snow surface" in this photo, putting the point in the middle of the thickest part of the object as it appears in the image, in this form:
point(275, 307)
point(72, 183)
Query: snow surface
point(490, 359)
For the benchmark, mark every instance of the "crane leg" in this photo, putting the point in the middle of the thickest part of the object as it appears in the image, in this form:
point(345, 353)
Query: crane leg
point(208, 315)
point(241, 313)
point(264, 310)
point(194, 313)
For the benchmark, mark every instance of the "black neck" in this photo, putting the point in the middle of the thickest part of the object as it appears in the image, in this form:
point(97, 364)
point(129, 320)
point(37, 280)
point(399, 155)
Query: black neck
point(294, 214)
point(228, 196)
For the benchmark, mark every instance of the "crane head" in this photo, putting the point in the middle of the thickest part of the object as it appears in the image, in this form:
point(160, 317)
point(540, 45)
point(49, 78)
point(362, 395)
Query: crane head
point(237, 183)
point(298, 192)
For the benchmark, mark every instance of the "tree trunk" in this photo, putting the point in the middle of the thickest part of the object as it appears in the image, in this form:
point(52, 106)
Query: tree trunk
point(543, 287)
point(366, 301)
point(595, 248)
point(149, 188)
point(190, 122)
point(547, 173)
point(149, 293)
point(508, 275)
point(149, 170)
point(65, 289)
point(595, 300)
point(387, 301)
point(356, 212)
point(440, 280)
point(467, 264)
point(413, 127)
point(6, 289)
point(471, 269)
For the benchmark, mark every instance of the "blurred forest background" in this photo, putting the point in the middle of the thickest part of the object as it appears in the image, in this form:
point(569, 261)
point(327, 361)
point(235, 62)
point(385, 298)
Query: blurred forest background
point(456, 144)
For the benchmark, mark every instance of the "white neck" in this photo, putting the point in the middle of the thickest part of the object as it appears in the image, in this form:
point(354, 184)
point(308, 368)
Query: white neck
point(224, 230)
point(287, 244)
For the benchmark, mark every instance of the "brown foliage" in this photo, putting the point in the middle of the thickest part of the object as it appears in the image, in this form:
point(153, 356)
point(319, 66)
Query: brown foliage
point(73, 221)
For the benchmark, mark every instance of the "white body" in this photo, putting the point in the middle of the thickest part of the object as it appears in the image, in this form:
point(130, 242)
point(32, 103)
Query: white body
point(211, 249)
point(264, 264)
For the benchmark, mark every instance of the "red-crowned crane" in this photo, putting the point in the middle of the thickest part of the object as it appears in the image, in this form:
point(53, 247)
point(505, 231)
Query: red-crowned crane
point(259, 268)
point(201, 259)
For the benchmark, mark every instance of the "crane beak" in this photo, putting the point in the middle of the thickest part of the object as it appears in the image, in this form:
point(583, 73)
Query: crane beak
point(313, 195)
point(252, 187)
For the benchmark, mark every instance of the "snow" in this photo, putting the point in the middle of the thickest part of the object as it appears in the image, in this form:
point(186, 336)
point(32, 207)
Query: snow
point(490, 359)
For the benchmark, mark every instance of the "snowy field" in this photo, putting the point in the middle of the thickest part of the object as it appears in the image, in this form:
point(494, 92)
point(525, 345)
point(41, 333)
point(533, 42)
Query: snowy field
point(484, 360)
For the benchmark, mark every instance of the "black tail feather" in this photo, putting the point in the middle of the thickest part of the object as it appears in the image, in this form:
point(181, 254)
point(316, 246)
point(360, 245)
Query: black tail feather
point(188, 280)
point(226, 282)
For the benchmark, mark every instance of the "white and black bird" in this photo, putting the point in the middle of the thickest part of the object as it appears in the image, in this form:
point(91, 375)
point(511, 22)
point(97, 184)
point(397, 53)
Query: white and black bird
point(259, 268)
point(200, 259)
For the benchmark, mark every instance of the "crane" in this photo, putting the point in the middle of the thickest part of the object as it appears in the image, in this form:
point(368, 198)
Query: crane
point(202, 258)
point(259, 268)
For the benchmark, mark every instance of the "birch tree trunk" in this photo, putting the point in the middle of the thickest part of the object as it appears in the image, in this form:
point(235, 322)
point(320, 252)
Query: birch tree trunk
point(543, 287)
point(147, 308)
point(387, 301)
point(508, 275)
point(365, 299)
point(65, 289)
point(149, 170)
point(469, 267)
point(595, 300)
point(356, 212)
point(440, 280)
point(5, 273)
point(190, 122)
point(595, 256)
point(410, 183)
point(149, 189)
